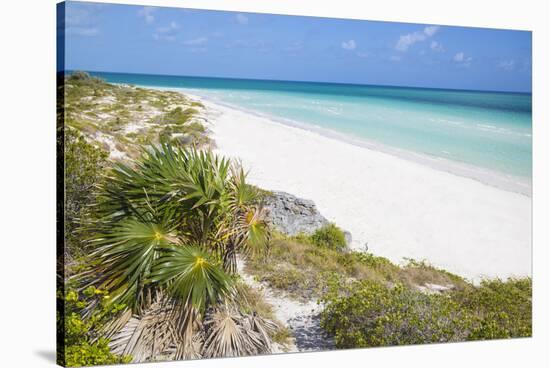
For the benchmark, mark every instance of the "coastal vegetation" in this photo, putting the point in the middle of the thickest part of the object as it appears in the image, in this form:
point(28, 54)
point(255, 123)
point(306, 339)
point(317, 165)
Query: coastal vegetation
point(163, 249)
point(84, 165)
point(367, 314)
point(330, 236)
point(157, 225)
point(84, 345)
point(123, 118)
point(369, 301)
point(302, 268)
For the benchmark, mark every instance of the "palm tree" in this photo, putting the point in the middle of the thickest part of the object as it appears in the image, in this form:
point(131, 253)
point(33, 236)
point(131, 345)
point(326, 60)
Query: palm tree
point(169, 228)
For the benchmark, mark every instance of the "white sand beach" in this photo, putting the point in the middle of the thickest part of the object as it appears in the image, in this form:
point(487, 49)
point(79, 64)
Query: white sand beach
point(400, 208)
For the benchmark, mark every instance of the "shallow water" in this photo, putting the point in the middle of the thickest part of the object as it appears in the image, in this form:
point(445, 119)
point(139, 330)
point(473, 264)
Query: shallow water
point(484, 130)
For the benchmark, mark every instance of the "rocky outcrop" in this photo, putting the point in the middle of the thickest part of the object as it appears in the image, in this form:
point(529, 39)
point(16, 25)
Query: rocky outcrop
point(348, 237)
point(292, 215)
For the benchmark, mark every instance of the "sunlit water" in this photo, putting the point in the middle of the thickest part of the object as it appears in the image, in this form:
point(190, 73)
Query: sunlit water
point(487, 132)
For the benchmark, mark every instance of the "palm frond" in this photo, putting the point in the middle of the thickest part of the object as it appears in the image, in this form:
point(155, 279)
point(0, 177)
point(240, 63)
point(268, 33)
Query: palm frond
point(225, 336)
point(123, 259)
point(190, 276)
point(229, 333)
point(170, 227)
point(166, 330)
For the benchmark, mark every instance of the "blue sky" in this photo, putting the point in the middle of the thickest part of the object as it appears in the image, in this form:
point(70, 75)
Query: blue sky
point(159, 40)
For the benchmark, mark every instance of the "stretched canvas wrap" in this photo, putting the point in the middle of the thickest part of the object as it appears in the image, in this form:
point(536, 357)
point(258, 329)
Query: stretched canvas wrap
point(235, 184)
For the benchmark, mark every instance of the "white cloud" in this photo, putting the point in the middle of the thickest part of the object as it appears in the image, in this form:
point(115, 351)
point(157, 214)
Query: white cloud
point(507, 64)
point(196, 41)
point(459, 57)
point(395, 58)
point(82, 20)
point(147, 13)
point(349, 45)
point(242, 19)
point(463, 60)
point(166, 33)
point(406, 41)
point(169, 28)
point(431, 30)
point(436, 46)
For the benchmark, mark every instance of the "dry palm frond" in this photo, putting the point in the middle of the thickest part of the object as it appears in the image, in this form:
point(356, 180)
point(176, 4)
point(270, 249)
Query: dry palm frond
point(116, 325)
point(165, 331)
point(229, 333)
point(225, 337)
point(263, 328)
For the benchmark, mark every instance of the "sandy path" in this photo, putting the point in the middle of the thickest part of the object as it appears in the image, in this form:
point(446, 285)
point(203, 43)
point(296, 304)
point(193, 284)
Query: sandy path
point(301, 318)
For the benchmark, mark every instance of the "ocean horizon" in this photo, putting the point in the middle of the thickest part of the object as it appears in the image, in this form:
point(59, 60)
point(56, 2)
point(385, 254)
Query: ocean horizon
point(482, 133)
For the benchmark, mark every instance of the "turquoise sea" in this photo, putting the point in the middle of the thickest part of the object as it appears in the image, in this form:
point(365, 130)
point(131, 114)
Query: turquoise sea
point(484, 130)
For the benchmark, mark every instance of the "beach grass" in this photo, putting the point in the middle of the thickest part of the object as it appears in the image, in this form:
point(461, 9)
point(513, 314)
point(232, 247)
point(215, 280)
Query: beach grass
point(302, 268)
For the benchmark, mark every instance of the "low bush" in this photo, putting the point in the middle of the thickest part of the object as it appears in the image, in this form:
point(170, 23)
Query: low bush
point(84, 166)
point(503, 308)
point(328, 236)
point(372, 314)
point(367, 313)
point(82, 344)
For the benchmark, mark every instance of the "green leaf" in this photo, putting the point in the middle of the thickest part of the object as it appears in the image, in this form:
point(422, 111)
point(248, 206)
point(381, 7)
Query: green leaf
point(190, 276)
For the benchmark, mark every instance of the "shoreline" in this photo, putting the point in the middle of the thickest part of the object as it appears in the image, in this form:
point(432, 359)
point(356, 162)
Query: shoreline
point(497, 179)
point(400, 208)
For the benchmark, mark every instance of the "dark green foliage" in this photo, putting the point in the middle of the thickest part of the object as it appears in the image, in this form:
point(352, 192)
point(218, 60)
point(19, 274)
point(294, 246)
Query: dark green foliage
point(328, 236)
point(80, 76)
point(372, 314)
point(81, 85)
point(84, 165)
point(504, 308)
point(82, 345)
point(191, 275)
point(165, 242)
point(366, 313)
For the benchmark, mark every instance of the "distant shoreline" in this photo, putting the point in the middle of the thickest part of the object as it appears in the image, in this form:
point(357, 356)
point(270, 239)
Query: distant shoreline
point(99, 73)
point(507, 182)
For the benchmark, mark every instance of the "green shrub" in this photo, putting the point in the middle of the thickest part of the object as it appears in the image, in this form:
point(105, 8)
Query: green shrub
point(79, 76)
point(372, 314)
point(504, 308)
point(197, 104)
point(85, 80)
point(82, 344)
point(329, 236)
point(367, 313)
point(84, 165)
